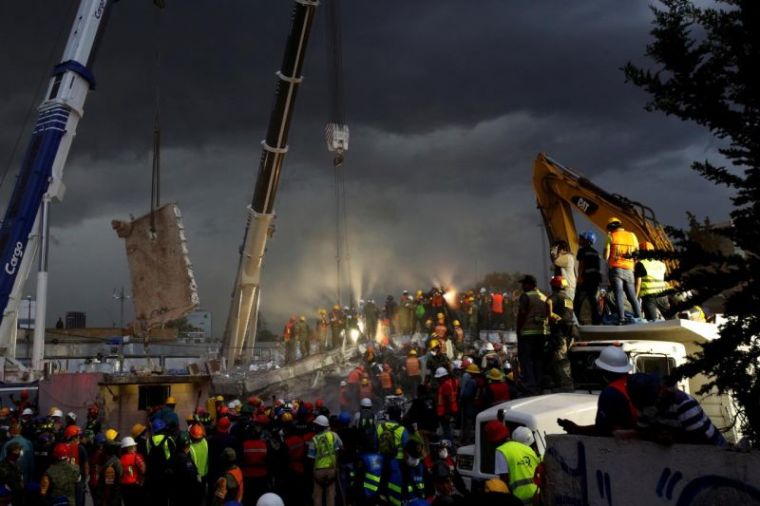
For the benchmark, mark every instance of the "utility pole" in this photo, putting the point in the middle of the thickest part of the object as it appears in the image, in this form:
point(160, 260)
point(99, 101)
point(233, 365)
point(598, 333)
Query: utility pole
point(121, 297)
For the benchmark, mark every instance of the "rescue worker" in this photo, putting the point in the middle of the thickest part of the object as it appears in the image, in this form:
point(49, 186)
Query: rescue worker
point(385, 379)
point(365, 389)
point(365, 422)
point(26, 457)
point(458, 340)
point(302, 336)
point(109, 480)
point(516, 464)
point(497, 310)
point(160, 450)
point(496, 391)
point(412, 371)
point(253, 466)
point(60, 479)
point(446, 405)
point(589, 279)
point(406, 313)
point(615, 411)
point(651, 286)
point(434, 361)
point(345, 400)
point(78, 457)
point(410, 482)
point(198, 453)
point(139, 433)
point(296, 487)
point(336, 326)
point(420, 312)
point(288, 338)
point(561, 327)
point(323, 450)
point(188, 488)
point(619, 250)
point(97, 459)
point(11, 475)
point(564, 265)
point(531, 333)
point(440, 454)
point(370, 319)
point(369, 472)
point(391, 440)
point(471, 317)
point(229, 486)
point(472, 394)
point(322, 327)
point(133, 473)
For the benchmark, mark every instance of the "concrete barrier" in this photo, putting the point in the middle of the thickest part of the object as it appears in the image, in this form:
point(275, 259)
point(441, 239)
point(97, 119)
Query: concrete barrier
point(609, 472)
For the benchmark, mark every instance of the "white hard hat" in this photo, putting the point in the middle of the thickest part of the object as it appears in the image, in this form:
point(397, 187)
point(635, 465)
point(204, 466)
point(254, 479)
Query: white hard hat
point(488, 347)
point(72, 415)
point(322, 421)
point(482, 290)
point(523, 435)
point(27, 411)
point(456, 364)
point(441, 372)
point(127, 442)
point(58, 413)
point(613, 359)
point(366, 402)
point(270, 499)
point(343, 383)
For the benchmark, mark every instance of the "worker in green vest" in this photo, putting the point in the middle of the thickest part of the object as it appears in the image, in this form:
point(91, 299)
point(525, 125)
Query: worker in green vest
point(199, 451)
point(516, 463)
point(532, 329)
point(651, 286)
point(323, 450)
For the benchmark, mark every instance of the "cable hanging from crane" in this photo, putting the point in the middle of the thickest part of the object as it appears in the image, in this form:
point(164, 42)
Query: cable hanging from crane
point(337, 136)
point(155, 185)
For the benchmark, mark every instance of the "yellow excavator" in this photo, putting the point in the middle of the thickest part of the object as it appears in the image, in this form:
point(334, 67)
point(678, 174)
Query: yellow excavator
point(559, 190)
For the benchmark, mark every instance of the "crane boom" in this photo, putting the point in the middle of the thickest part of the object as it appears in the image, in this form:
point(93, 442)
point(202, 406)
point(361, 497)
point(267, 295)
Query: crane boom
point(559, 190)
point(243, 312)
point(41, 173)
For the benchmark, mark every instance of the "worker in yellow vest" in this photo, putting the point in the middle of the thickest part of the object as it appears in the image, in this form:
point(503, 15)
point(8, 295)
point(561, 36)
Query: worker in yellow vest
point(516, 463)
point(323, 450)
point(619, 251)
point(532, 329)
point(651, 286)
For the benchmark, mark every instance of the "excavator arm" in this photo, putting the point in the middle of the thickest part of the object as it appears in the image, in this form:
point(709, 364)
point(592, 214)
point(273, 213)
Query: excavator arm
point(560, 190)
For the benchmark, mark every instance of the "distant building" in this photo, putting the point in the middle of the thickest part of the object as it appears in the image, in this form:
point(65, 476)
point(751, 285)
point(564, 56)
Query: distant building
point(198, 325)
point(76, 320)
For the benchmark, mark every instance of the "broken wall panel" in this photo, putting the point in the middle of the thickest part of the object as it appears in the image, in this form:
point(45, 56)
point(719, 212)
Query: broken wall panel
point(163, 284)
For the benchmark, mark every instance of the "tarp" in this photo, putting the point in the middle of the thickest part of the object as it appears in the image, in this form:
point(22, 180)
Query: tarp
point(163, 285)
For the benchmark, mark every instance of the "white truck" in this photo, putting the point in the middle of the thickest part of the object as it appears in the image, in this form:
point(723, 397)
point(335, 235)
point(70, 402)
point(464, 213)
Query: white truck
point(656, 348)
point(540, 413)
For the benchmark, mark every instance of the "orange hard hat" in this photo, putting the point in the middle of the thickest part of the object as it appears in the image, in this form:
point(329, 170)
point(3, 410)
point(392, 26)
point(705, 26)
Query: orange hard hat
point(223, 425)
point(196, 431)
point(647, 246)
point(71, 431)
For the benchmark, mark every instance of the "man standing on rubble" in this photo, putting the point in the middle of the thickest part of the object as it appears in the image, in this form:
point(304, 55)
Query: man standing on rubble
point(619, 251)
point(370, 319)
point(531, 332)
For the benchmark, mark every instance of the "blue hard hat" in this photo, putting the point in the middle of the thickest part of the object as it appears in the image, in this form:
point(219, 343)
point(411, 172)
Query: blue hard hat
point(589, 236)
point(344, 418)
point(158, 425)
point(100, 438)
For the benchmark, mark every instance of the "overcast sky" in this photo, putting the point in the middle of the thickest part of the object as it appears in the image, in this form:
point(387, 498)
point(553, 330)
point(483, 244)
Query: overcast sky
point(448, 103)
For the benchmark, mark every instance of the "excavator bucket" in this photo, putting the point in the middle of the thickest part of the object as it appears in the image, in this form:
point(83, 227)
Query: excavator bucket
point(163, 284)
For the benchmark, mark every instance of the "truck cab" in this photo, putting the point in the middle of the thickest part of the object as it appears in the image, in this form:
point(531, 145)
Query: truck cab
point(540, 413)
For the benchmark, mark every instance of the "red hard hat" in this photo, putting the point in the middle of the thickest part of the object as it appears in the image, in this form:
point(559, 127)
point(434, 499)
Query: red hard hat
point(196, 431)
point(254, 401)
point(71, 431)
point(224, 410)
point(319, 404)
point(24, 395)
point(496, 432)
point(308, 407)
point(223, 425)
point(558, 282)
point(61, 451)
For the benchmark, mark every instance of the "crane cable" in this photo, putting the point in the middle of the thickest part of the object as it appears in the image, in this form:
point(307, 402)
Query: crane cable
point(336, 122)
point(155, 185)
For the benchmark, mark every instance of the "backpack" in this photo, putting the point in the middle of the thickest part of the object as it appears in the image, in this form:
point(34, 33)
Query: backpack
point(367, 429)
point(386, 440)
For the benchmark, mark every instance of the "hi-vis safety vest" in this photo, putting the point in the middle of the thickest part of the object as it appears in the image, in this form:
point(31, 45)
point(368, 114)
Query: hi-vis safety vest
point(535, 320)
point(623, 244)
point(199, 456)
point(324, 444)
point(654, 282)
point(522, 463)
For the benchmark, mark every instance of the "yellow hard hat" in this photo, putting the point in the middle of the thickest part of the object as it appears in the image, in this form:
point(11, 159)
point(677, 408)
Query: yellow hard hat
point(440, 316)
point(613, 220)
point(336, 307)
point(322, 311)
point(495, 375)
point(434, 343)
point(52, 410)
point(303, 318)
point(412, 352)
point(473, 369)
point(171, 401)
point(647, 246)
point(138, 429)
point(219, 398)
point(456, 323)
point(111, 435)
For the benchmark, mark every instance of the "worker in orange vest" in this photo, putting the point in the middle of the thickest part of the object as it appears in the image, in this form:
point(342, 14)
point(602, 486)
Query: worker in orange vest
point(619, 251)
point(289, 339)
point(386, 380)
point(412, 371)
point(365, 389)
point(497, 309)
point(229, 486)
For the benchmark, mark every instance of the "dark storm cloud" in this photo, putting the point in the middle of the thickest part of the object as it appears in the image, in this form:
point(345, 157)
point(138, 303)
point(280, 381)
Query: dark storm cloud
point(448, 102)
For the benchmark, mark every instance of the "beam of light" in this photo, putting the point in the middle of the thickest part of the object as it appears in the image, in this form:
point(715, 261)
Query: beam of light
point(451, 297)
point(355, 335)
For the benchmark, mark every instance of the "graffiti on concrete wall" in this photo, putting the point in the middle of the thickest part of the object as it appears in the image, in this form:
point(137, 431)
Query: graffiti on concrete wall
point(672, 487)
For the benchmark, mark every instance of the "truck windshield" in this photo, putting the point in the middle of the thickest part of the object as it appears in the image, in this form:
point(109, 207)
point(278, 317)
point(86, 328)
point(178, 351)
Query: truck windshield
point(586, 376)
